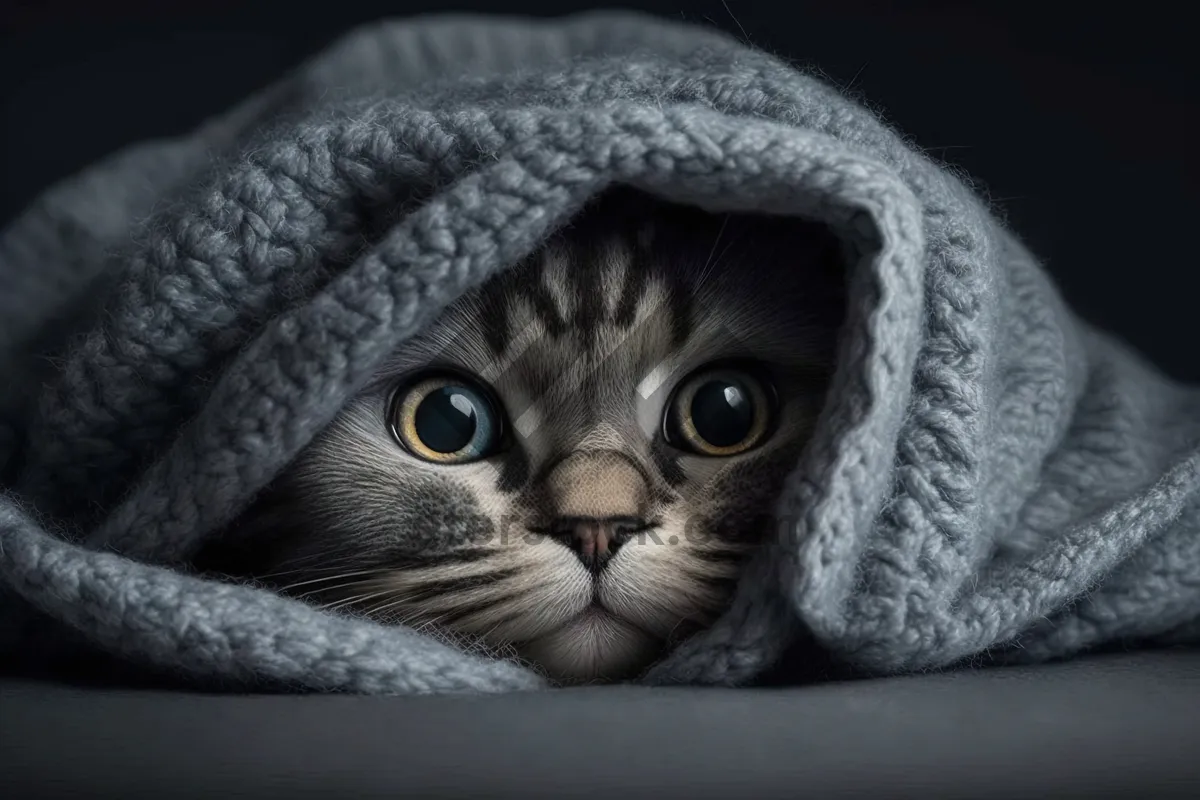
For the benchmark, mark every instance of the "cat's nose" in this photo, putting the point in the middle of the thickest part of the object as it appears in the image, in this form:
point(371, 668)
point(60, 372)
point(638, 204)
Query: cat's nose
point(596, 539)
point(596, 500)
point(602, 484)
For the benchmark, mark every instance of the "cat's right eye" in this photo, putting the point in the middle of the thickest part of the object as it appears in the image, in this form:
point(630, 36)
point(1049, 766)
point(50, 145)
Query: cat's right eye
point(719, 412)
point(446, 418)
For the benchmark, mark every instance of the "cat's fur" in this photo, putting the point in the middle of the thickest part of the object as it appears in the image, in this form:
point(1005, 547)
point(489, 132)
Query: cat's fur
point(583, 345)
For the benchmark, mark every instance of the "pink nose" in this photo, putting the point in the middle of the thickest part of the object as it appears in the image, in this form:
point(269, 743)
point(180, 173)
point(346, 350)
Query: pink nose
point(591, 539)
point(595, 540)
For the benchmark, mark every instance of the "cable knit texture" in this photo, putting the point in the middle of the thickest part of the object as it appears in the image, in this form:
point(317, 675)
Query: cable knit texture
point(992, 479)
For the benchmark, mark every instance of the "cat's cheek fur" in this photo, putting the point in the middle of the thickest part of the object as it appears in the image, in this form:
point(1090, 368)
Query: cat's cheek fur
point(537, 587)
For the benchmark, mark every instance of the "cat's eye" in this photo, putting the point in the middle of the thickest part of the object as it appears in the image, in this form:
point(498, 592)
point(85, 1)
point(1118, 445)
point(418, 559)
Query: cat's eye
point(446, 418)
point(718, 412)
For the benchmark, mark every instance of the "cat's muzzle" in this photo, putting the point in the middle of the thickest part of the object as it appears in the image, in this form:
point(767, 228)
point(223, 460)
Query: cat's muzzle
point(596, 539)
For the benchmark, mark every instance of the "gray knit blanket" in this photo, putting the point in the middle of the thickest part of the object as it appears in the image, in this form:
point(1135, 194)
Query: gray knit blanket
point(992, 479)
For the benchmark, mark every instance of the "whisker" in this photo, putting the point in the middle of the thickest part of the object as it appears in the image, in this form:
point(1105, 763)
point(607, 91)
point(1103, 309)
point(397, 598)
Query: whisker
point(464, 555)
point(461, 615)
point(439, 600)
point(336, 577)
point(379, 609)
point(705, 271)
point(406, 617)
point(328, 563)
point(358, 598)
point(330, 589)
point(426, 624)
point(461, 603)
point(395, 563)
point(425, 594)
point(466, 582)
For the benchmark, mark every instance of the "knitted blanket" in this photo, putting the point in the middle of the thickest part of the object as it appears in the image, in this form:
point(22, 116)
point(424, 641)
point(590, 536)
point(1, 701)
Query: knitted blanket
point(990, 480)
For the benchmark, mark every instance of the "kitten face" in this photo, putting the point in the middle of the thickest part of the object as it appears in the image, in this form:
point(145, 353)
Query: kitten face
point(575, 461)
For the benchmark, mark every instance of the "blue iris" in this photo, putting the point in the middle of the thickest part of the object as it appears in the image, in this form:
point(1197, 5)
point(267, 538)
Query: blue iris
point(456, 419)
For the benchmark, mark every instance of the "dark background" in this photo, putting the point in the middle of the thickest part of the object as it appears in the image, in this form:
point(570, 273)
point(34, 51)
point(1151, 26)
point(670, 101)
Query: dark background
point(1078, 126)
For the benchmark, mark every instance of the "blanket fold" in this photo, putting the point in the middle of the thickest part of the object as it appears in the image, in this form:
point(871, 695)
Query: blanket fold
point(991, 479)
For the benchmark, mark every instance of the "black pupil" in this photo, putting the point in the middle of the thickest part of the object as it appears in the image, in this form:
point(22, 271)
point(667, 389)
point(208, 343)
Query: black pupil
point(446, 419)
point(723, 413)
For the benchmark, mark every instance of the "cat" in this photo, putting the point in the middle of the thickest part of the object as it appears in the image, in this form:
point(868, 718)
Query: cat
point(572, 466)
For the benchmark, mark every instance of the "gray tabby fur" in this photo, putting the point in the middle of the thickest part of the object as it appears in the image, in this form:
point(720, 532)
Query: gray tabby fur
point(990, 477)
point(586, 351)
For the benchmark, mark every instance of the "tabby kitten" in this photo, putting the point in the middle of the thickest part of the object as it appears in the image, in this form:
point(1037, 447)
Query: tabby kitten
point(572, 465)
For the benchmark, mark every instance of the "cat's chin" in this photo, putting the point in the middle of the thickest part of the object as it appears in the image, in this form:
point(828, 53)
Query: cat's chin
point(594, 647)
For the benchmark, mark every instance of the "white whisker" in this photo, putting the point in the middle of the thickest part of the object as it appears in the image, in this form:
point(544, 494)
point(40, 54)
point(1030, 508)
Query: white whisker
point(337, 577)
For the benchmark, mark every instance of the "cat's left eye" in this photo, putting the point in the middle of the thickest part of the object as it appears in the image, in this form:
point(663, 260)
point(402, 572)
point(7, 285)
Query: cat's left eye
point(719, 412)
point(446, 418)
